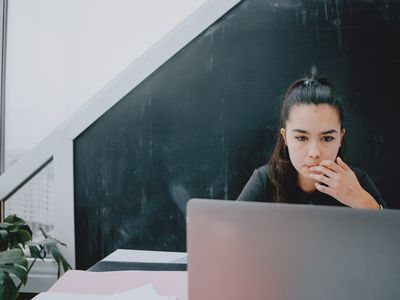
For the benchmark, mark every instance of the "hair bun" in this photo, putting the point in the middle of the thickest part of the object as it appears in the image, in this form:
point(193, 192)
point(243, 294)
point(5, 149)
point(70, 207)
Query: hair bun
point(311, 82)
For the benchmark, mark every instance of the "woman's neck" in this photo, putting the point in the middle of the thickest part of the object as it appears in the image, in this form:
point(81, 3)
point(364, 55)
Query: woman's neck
point(306, 184)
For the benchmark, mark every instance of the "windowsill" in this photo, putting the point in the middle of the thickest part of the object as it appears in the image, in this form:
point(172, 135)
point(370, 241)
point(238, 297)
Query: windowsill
point(41, 277)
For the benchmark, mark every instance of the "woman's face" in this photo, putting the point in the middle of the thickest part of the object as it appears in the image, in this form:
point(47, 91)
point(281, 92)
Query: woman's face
point(312, 134)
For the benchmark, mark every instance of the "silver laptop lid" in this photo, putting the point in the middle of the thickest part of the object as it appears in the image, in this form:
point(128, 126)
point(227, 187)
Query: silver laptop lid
point(247, 250)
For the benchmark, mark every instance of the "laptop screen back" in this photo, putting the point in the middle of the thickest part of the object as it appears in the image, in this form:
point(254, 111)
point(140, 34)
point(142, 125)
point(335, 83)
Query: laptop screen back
point(247, 250)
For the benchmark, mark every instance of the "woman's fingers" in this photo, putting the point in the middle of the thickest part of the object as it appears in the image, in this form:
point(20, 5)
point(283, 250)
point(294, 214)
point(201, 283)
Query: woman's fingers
point(342, 164)
point(322, 178)
point(332, 165)
point(325, 189)
point(324, 170)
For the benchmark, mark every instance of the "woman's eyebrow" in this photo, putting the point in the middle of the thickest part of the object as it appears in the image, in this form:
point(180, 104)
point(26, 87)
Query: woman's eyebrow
point(306, 132)
point(329, 131)
point(300, 130)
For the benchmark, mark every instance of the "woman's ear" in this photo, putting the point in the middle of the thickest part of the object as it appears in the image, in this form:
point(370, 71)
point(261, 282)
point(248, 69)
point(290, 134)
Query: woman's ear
point(342, 132)
point(283, 133)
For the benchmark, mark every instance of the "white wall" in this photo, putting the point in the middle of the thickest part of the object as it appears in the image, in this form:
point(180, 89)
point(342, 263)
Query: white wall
point(61, 52)
point(71, 62)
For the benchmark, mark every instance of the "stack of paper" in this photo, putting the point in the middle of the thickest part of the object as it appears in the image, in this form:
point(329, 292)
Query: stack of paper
point(146, 292)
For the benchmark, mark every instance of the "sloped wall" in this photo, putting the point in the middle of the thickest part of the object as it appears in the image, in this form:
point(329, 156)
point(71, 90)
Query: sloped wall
point(201, 123)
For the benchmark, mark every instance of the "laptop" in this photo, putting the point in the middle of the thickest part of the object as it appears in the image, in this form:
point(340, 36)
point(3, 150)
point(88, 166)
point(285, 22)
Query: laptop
point(247, 250)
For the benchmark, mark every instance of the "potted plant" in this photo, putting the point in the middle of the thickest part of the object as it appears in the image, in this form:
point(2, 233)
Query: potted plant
point(15, 245)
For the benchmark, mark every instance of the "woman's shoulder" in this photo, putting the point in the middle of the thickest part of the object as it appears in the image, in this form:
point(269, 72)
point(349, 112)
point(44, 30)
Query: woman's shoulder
point(362, 176)
point(255, 188)
point(262, 172)
point(360, 173)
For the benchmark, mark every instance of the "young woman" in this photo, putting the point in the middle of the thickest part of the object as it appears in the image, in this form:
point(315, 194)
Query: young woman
point(306, 166)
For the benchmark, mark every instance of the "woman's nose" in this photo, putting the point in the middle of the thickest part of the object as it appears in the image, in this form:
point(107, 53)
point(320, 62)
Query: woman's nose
point(314, 150)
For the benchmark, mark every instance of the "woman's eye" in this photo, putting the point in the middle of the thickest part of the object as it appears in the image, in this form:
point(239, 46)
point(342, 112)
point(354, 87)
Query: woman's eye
point(328, 138)
point(301, 138)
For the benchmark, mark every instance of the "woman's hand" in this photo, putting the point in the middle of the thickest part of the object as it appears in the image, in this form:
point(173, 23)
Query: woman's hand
point(342, 184)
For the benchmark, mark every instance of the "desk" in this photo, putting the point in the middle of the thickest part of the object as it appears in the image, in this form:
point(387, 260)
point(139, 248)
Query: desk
point(167, 283)
point(96, 281)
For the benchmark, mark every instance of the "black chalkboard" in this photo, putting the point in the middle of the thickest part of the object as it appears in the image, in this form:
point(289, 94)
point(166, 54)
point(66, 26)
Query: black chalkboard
point(200, 124)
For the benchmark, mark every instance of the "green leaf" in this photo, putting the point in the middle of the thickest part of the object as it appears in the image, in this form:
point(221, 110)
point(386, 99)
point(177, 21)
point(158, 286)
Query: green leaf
point(13, 231)
point(61, 261)
point(65, 264)
point(57, 258)
point(17, 270)
point(51, 242)
point(4, 234)
point(35, 251)
point(14, 219)
point(13, 257)
point(13, 261)
point(3, 239)
point(44, 232)
point(8, 290)
point(5, 225)
point(21, 235)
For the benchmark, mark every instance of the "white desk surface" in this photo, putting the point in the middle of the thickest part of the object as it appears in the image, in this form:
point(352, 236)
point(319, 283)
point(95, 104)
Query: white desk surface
point(167, 283)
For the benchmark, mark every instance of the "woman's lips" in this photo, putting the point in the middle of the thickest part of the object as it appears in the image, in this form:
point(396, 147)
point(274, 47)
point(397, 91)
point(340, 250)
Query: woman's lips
point(313, 171)
point(310, 166)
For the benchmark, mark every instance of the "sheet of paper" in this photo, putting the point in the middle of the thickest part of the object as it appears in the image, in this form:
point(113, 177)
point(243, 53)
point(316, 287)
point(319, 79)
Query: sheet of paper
point(146, 256)
point(166, 283)
point(146, 292)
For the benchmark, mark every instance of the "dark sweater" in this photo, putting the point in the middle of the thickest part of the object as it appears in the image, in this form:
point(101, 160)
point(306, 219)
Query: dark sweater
point(259, 189)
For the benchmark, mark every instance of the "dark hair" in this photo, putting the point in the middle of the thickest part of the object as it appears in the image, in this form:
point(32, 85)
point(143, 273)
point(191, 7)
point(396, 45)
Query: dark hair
point(312, 89)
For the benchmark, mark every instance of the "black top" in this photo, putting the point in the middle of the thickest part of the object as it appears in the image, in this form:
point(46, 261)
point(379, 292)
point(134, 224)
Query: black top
point(259, 189)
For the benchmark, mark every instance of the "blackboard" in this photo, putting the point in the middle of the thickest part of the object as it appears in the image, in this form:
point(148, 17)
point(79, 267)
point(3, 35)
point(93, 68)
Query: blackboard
point(200, 124)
